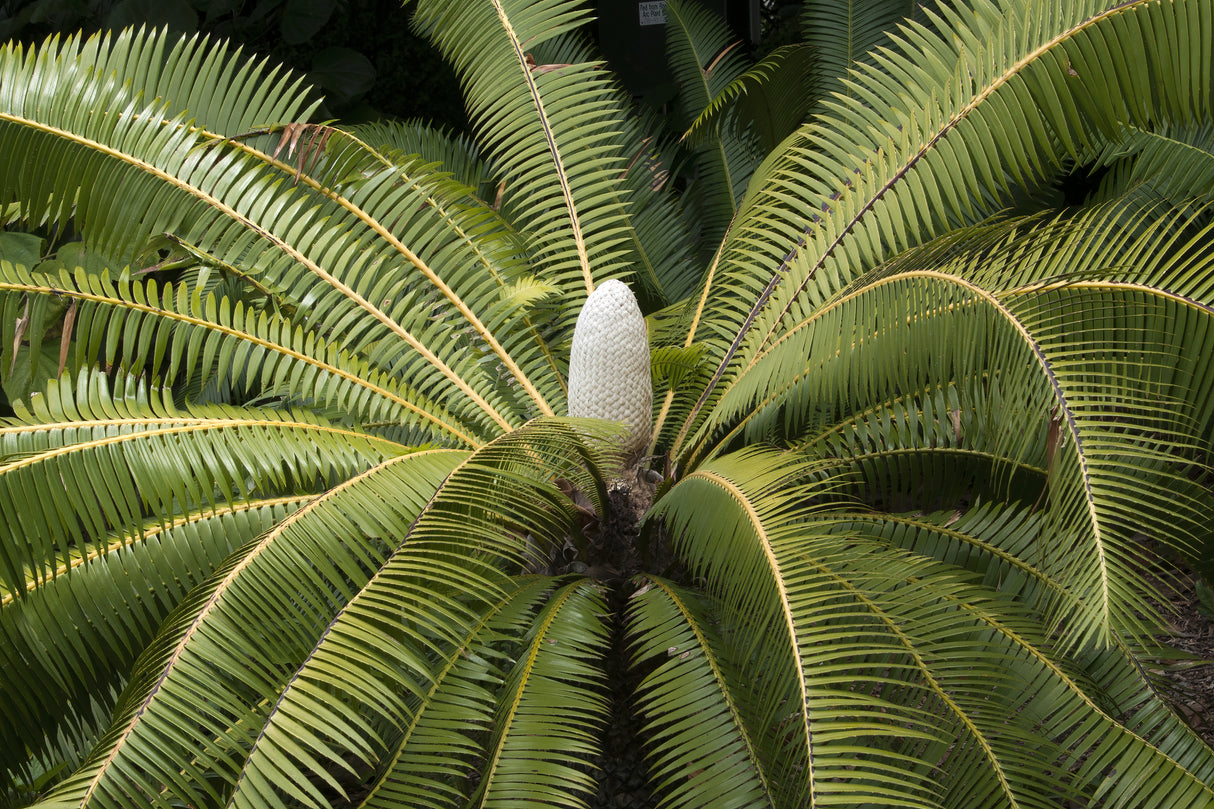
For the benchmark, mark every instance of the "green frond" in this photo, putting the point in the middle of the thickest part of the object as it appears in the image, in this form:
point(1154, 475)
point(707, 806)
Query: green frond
point(321, 253)
point(44, 121)
point(547, 726)
point(397, 305)
point(410, 625)
point(430, 763)
point(185, 333)
point(206, 79)
point(1177, 166)
point(1005, 372)
point(198, 695)
point(937, 135)
point(943, 675)
point(454, 153)
point(842, 34)
point(130, 456)
point(717, 527)
point(999, 545)
point(328, 565)
point(705, 59)
point(291, 514)
point(35, 332)
point(479, 272)
point(675, 367)
point(535, 116)
point(64, 684)
point(48, 93)
point(701, 747)
point(770, 99)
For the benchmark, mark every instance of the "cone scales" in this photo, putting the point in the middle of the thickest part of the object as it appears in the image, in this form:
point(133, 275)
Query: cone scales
point(609, 364)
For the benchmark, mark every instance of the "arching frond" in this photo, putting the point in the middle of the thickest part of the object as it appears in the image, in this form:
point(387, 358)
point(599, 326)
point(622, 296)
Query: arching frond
point(446, 586)
point(701, 747)
point(1002, 371)
point(62, 685)
point(431, 762)
point(770, 99)
point(299, 527)
point(549, 724)
point(186, 333)
point(454, 153)
point(1177, 166)
point(720, 524)
point(202, 78)
point(196, 696)
point(842, 34)
point(127, 457)
point(382, 261)
point(938, 134)
point(535, 116)
point(705, 59)
point(943, 676)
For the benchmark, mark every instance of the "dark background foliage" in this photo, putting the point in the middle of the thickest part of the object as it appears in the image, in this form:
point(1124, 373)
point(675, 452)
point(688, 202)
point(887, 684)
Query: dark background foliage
point(362, 54)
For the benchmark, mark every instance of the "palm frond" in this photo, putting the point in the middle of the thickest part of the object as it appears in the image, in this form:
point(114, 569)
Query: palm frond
point(754, 498)
point(941, 120)
point(181, 333)
point(1177, 166)
point(454, 153)
point(533, 115)
point(446, 583)
point(124, 456)
point(770, 99)
point(432, 760)
point(908, 653)
point(999, 544)
point(547, 726)
point(705, 60)
point(188, 72)
point(62, 685)
point(298, 527)
point(321, 252)
point(699, 742)
point(914, 380)
point(197, 695)
point(843, 34)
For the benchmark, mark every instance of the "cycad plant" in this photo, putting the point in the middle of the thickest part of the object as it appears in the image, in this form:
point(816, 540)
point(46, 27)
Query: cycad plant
point(299, 517)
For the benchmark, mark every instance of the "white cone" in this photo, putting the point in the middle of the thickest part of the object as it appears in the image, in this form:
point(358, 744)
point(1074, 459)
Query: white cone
point(609, 363)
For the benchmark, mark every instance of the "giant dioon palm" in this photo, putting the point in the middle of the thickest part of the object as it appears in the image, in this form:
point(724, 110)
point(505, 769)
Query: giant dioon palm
point(302, 519)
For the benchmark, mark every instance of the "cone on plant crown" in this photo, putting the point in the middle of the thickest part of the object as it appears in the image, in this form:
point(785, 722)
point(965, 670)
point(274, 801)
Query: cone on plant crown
point(609, 363)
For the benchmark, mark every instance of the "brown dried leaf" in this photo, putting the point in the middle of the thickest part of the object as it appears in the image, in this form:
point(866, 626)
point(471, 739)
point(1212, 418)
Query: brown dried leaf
point(534, 68)
point(291, 133)
point(309, 155)
point(1052, 440)
point(23, 323)
point(717, 59)
point(65, 339)
point(580, 501)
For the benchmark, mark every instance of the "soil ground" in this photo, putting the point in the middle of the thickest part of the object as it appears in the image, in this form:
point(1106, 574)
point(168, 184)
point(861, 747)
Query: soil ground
point(1193, 633)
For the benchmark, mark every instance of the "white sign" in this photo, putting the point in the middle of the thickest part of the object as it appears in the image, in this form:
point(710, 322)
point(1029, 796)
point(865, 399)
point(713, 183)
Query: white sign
point(653, 12)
